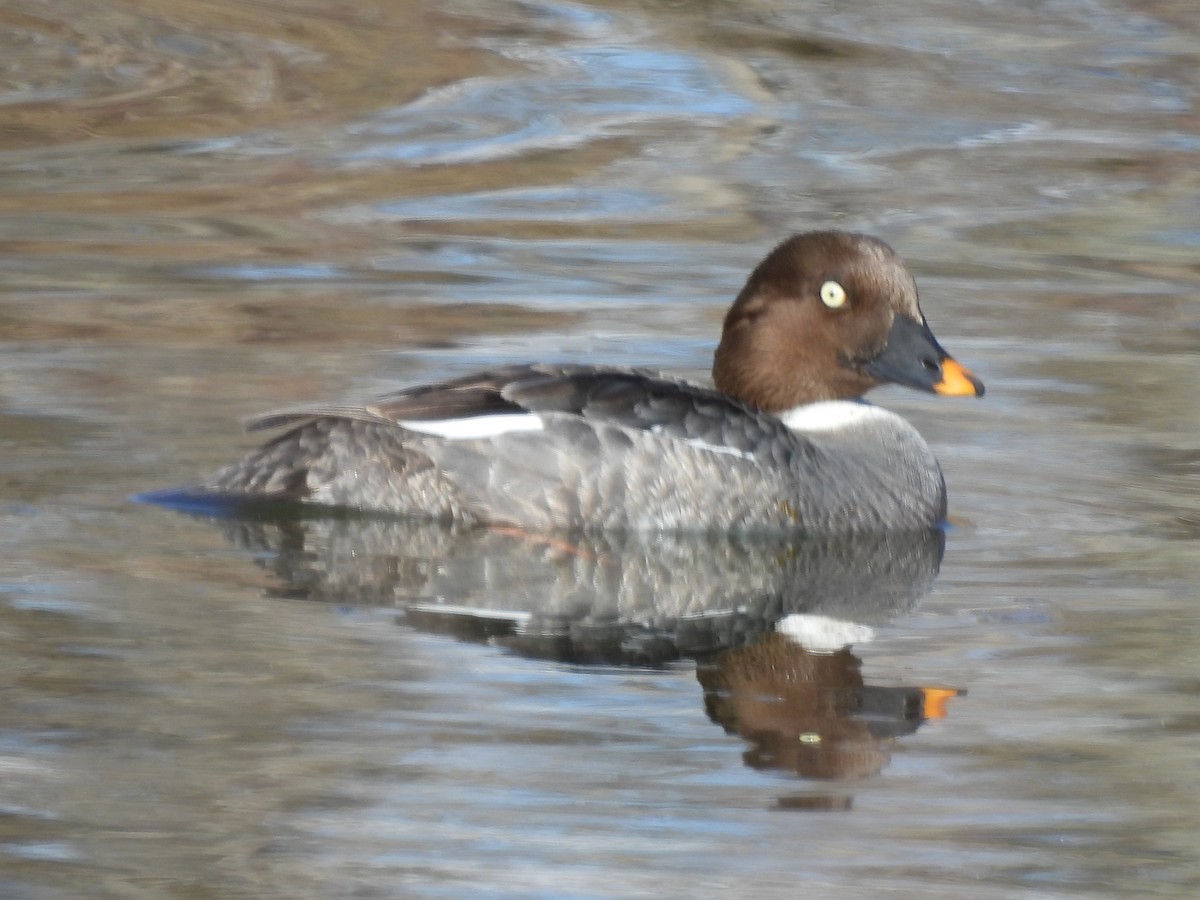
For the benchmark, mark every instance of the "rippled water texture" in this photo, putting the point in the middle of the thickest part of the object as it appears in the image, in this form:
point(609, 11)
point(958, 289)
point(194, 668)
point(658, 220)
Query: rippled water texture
point(212, 208)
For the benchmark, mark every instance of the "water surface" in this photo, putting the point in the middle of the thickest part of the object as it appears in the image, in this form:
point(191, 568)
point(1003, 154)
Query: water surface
point(210, 209)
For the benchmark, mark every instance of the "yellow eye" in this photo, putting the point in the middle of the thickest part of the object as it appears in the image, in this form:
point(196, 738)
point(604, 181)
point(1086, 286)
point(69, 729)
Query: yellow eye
point(833, 294)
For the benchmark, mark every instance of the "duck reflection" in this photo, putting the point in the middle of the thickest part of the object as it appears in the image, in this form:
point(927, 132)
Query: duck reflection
point(810, 712)
point(769, 620)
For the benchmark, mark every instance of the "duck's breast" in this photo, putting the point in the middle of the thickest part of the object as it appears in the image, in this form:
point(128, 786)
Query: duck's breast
point(869, 469)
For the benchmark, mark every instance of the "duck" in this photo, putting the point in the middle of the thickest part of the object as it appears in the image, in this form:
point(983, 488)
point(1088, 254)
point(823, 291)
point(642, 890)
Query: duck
point(781, 440)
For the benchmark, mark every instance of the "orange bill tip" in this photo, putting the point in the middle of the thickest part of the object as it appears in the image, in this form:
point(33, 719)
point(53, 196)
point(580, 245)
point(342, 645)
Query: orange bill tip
point(934, 701)
point(957, 381)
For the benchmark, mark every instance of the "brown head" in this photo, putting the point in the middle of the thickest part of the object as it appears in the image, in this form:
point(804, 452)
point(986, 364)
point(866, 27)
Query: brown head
point(829, 315)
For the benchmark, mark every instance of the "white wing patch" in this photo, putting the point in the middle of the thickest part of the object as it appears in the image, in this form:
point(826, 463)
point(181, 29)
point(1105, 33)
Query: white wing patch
point(659, 431)
point(831, 415)
point(472, 427)
point(520, 617)
point(719, 448)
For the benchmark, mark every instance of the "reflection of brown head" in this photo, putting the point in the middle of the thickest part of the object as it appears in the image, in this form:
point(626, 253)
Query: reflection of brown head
point(797, 708)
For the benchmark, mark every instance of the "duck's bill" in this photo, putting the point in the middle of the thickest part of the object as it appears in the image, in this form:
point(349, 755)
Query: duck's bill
point(914, 358)
point(957, 380)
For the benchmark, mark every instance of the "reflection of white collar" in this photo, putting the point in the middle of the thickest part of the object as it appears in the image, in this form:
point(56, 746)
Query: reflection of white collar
point(821, 634)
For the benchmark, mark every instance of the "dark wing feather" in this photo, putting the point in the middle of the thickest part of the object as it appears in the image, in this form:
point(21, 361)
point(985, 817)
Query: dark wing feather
point(479, 394)
point(636, 399)
point(647, 401)
point(473, 395)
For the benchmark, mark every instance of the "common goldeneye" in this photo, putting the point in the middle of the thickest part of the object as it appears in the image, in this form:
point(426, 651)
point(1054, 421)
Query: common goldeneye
point(783, 441)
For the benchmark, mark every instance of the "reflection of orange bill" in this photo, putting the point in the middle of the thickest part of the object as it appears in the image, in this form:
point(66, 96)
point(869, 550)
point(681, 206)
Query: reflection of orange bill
point(934, 701)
